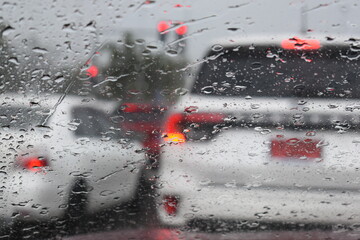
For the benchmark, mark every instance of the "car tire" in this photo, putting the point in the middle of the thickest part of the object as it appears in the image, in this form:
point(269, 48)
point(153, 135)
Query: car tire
point(77, 206)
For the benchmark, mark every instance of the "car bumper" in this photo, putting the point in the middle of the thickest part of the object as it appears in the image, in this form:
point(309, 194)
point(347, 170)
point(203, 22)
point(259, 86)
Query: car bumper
point(36, 196)
point(235, 177)
point(262, 204)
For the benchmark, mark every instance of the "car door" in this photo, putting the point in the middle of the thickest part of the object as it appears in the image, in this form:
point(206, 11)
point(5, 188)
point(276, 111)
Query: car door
point(109, 162)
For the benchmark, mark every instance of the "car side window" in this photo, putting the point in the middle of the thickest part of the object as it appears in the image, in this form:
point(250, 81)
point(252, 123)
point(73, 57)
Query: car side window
point(90, 122)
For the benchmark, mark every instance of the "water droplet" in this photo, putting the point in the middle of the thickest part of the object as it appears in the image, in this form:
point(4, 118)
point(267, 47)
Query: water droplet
point(208, 90)
point(146, 52)
point(191, 109)
point(217, 48)
point(7, 31)
point(140, 41)
point(172, 52)
point(117, 119)
point(255, 106)
point(83, 141)
point(14, 60)
point(59, 79)
point(322, 143)
point(310, 133)
point(302, 102)
point(231, 184)
point(205, 182)
point(229, 74)
point(181, 91)
point(45, 78)
point(256, 66)
point(151, 47)
point(106, 193)
point(265, 131)
point(40, 50)
point(105, 138)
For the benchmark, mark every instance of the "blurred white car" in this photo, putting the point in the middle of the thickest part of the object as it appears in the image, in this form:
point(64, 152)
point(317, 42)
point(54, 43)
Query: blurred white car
point(269, 131)
point(63, 157)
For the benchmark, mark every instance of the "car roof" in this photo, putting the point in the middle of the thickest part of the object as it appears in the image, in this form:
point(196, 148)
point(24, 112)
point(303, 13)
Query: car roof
point(273, 40)
point(276, 40)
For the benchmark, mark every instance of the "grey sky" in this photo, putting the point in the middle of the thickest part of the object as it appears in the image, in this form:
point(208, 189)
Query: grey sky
point(56, 25)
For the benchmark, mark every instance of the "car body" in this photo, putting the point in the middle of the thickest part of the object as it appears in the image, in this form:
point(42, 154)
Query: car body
point(54, 147)
point(268, 132)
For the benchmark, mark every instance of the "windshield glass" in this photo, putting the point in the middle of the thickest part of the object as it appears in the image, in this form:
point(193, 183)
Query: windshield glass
point(179, 119)
point(22, 118)
point(275, 72)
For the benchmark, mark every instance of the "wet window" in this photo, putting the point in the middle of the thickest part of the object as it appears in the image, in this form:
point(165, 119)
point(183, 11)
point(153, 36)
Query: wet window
point(90, 123)
point(149, 119)
point(274, 72)
point(22, 118)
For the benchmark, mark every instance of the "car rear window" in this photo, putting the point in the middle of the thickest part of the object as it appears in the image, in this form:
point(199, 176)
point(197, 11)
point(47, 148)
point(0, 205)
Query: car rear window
point(331, 72)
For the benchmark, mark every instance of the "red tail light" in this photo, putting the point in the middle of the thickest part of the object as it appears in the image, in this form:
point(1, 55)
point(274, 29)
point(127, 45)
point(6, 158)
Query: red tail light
point(300, 44)
point(140, 107)
point(92, 71)
point(174, 127)
point(171, 204)
point(295, 148)
point(163, 26)
point(182, 30)
point(34, 164)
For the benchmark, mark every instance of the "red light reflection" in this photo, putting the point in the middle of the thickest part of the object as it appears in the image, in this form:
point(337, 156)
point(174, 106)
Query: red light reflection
point(92, 71)
point(181, 30)
point(163, 26)
point(300, 44)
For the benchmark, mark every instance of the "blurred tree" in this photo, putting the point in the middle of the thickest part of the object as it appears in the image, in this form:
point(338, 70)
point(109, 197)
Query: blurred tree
point(132, 71)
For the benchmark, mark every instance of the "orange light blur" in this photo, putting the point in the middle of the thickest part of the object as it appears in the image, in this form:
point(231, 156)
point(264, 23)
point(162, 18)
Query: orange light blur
point(175, 137)
point(300, 44)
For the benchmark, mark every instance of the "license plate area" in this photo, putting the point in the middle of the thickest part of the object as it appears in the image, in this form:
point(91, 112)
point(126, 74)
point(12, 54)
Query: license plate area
point(295, 148)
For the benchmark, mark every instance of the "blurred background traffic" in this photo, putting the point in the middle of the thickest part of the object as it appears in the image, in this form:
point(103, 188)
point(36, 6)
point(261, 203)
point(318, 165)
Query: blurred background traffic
point(87, 89)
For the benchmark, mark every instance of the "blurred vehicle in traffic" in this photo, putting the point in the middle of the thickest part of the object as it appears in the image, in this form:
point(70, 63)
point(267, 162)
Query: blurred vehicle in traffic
point(63, 157)
point(268, 132)
point(122, 71)
point(144, 121)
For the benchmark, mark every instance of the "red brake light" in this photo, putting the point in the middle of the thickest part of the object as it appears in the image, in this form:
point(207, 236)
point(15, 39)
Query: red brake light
point(163, 26)
point(174, 127)
point(92, 71)
point(181, 30)
point(138, 107)
point(295, 148)
point(33, 163)
point(171, 204)
point(300, 44)
point(205, 117)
